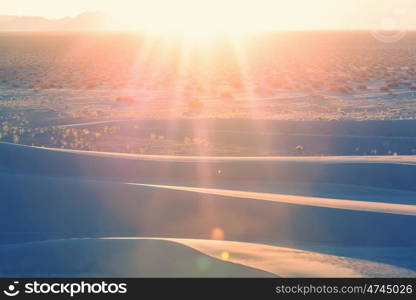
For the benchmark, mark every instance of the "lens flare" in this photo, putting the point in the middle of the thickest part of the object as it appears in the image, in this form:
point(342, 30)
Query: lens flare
point(225, 255)
point(217, 234)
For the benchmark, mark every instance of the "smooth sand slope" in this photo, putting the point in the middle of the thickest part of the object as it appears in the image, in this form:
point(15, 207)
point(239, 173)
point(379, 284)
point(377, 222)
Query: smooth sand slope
point(147, 257)
point(390, 208)
point(52, 194)
point(289, 262)
point(385, 172)
point(116, 258)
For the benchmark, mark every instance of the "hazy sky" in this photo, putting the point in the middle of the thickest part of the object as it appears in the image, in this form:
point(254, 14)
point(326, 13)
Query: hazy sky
point(269, 14)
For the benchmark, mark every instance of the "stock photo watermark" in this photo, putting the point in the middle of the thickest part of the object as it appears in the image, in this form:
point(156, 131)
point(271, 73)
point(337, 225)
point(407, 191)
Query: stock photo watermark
point(62, 288)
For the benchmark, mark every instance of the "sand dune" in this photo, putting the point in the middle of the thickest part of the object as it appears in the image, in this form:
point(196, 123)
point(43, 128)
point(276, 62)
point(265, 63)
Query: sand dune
point(310, 201)
point(394, 172)
point(296, 161)
point(150, 257)
point(402, 159)
point(115, 258)
point(39, 207)
point(53, 194)
point(289, 262)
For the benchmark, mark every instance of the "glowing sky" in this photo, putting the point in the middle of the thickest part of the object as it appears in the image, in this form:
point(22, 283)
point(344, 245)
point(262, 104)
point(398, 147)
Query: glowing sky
point(243, 15)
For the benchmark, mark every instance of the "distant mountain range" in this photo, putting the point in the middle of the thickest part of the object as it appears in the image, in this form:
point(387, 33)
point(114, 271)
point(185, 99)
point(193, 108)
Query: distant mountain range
point(88, 21)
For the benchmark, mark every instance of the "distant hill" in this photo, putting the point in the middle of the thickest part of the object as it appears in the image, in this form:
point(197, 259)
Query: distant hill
point(84, 22)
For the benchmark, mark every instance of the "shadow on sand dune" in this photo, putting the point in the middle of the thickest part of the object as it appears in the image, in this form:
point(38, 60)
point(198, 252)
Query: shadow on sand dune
point(115, 258)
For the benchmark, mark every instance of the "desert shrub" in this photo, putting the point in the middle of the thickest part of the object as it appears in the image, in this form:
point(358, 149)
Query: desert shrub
point(391, 84)
point(362, 87)
point(125, 99)
point(195, 104)
point(316, 95)
point(339, 89)
point(226, 95)
point(299, 148)
point(90, 85)
point(385, 88)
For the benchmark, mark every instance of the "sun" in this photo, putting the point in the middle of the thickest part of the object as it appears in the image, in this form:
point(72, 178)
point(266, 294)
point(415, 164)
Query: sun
point(192, 19)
